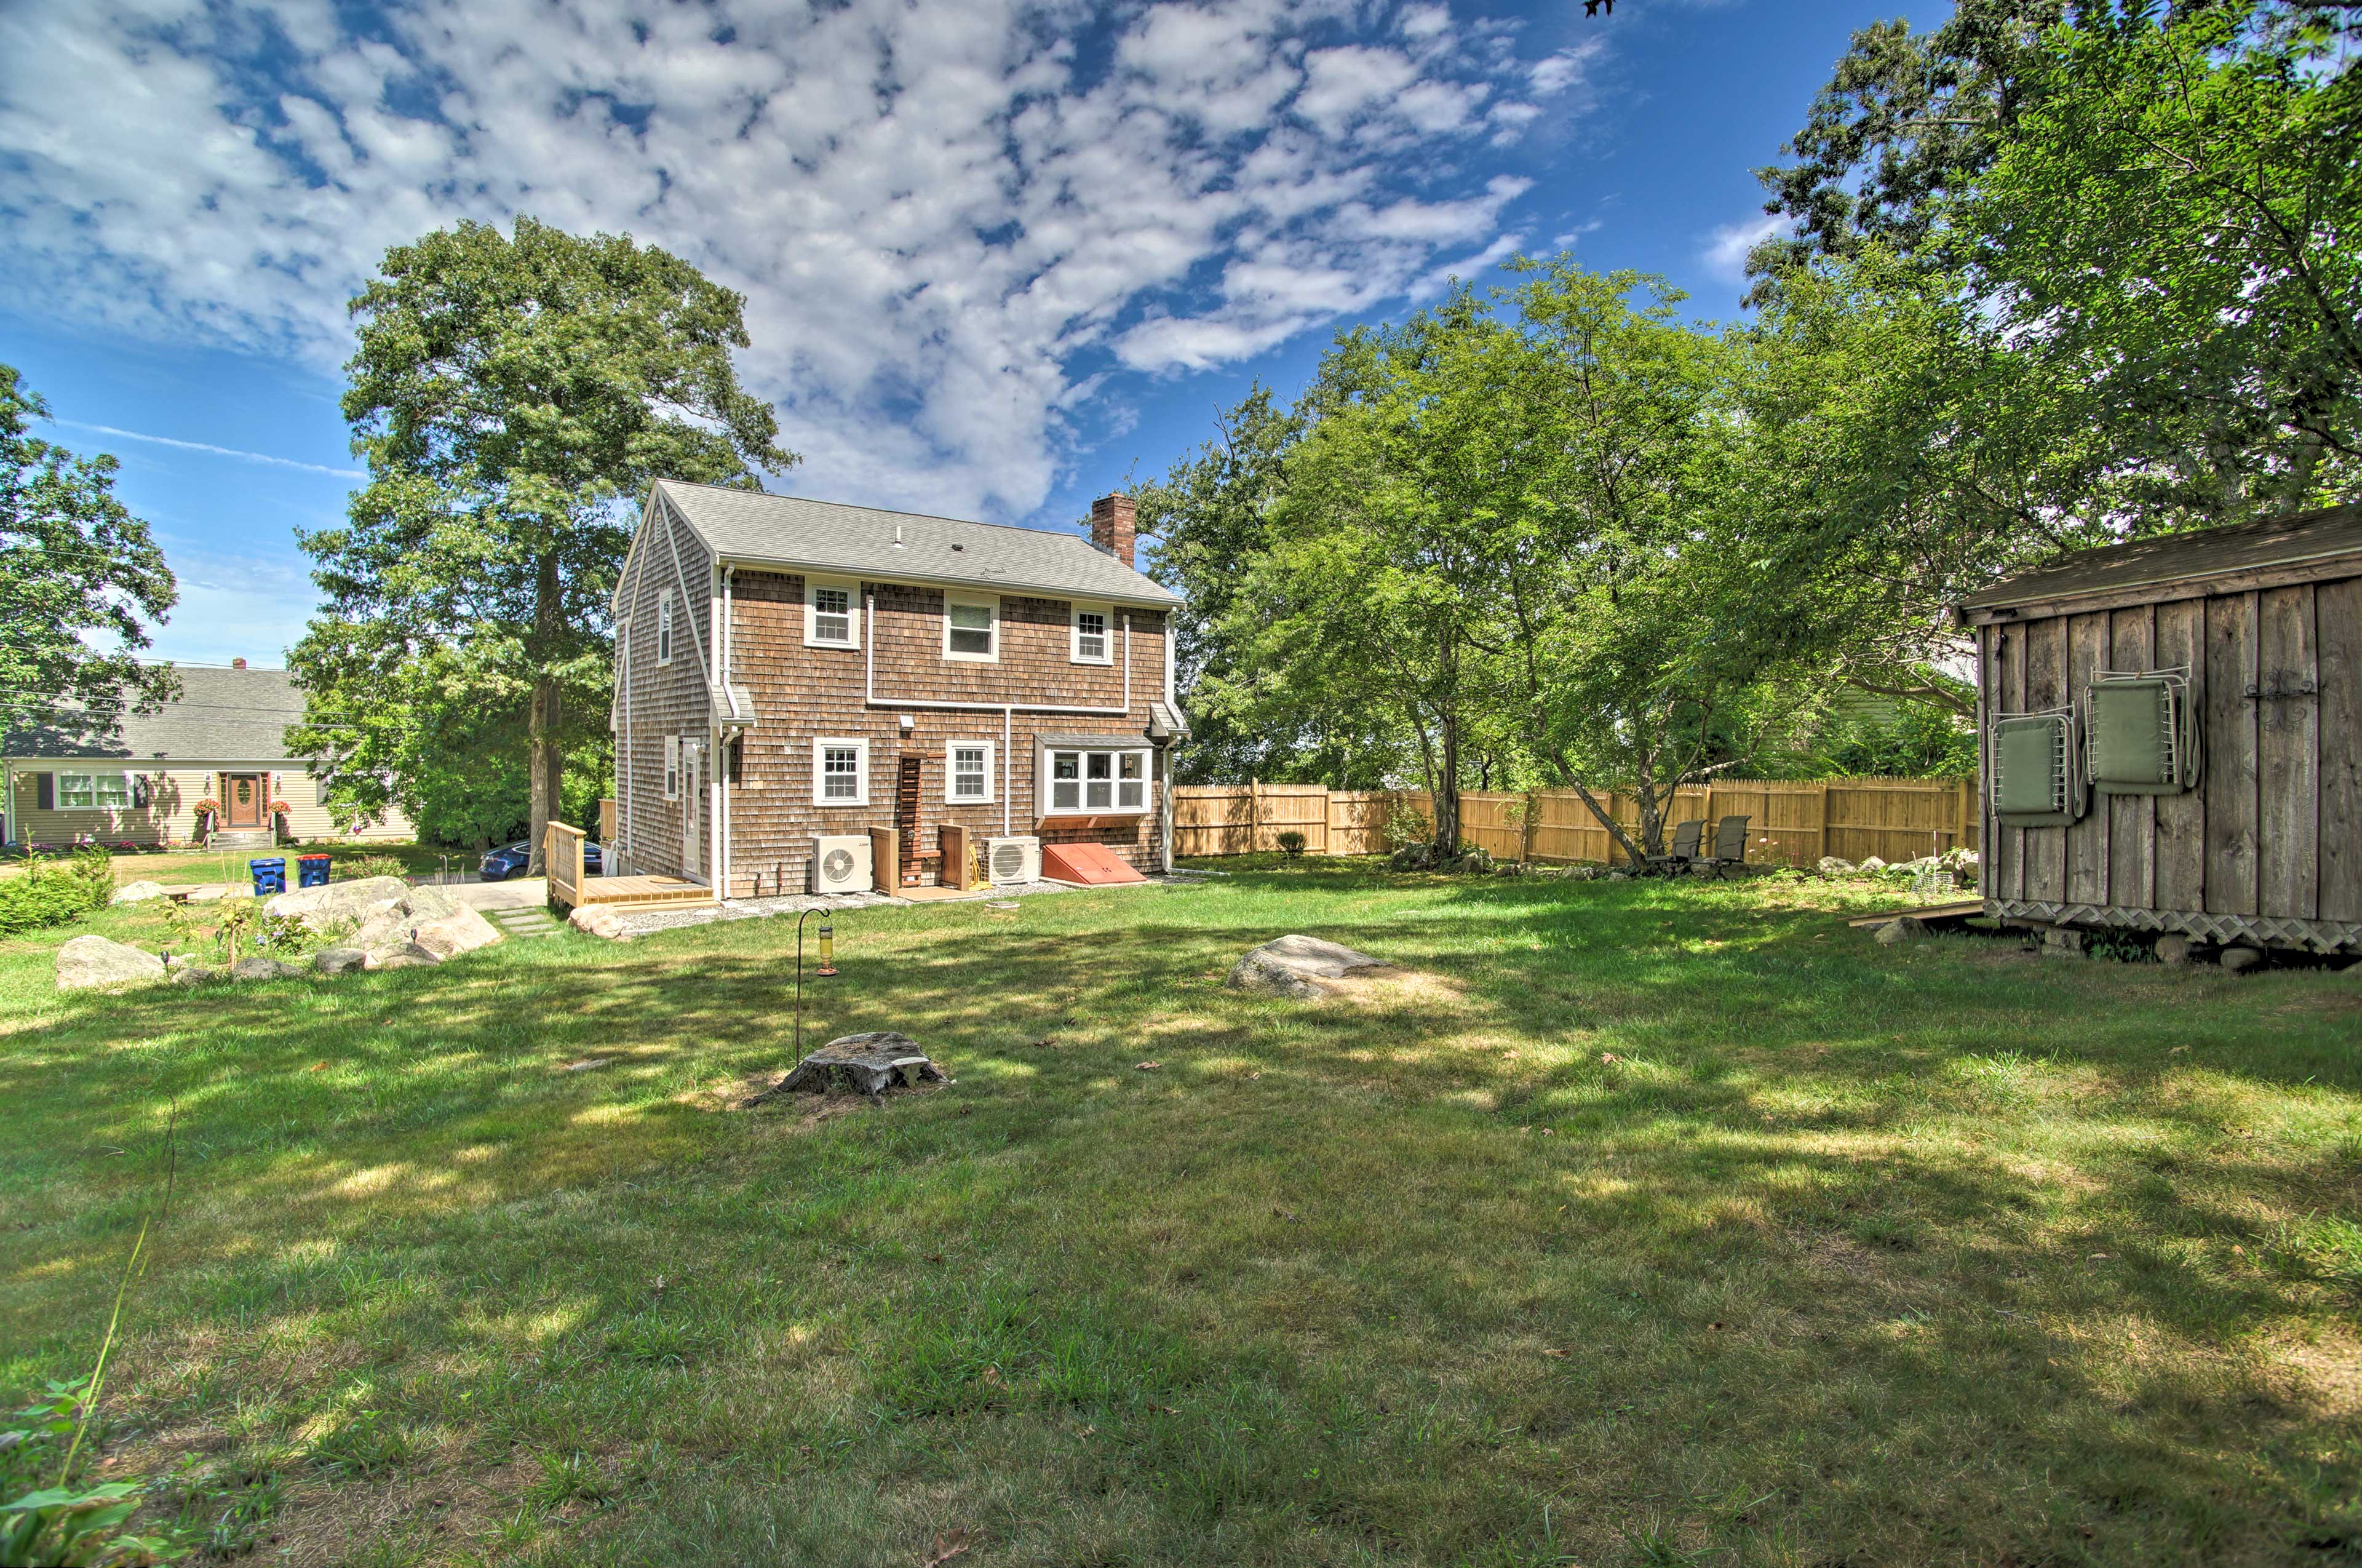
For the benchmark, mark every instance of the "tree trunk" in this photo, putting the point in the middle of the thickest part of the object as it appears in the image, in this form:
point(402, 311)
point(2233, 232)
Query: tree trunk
point(1447, 792)
point(545, 752)
point(1615, 829)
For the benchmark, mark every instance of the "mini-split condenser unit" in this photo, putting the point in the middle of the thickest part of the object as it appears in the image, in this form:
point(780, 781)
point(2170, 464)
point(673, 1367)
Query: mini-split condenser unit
point(840, 863)
point(1009, 861)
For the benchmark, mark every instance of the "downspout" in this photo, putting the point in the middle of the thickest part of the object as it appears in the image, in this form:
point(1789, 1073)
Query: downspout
point(1006, 804)
point(723, 643)
point(714, 735)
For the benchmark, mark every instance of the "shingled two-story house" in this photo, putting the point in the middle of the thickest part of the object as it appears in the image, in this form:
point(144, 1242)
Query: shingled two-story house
point(808, 693)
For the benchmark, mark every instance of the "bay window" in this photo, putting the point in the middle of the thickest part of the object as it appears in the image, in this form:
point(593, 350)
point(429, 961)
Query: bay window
point(1089, 781)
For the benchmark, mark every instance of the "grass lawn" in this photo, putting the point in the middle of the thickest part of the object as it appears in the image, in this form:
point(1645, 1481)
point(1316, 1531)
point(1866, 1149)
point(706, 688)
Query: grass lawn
point(181, 868)
point(1650, 1223)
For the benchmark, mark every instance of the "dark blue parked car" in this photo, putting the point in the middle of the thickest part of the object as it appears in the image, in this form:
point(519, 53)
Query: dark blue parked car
point(511, 859)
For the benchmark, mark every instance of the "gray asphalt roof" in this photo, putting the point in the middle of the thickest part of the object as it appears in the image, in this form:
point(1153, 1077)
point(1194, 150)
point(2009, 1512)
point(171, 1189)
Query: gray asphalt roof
point(222, 715)
point(751, 525)
point(2179, 557)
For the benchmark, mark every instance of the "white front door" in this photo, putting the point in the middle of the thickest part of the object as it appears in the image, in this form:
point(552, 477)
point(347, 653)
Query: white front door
point(692, 794)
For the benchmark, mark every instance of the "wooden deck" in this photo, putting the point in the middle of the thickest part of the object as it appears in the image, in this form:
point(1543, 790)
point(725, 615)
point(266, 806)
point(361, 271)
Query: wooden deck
point(644, 892)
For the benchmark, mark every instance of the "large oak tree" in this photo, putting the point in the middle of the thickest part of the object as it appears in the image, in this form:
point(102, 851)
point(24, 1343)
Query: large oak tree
point(512, 394)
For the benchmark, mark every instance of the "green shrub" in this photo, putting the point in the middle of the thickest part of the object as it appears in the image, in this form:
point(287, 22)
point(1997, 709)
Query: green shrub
point(370, 866)
point(1291, 844)
point(53, 892)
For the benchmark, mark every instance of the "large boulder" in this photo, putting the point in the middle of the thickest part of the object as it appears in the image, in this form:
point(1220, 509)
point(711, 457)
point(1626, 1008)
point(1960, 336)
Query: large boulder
point(338, 960)
point(596, 920)
point(346, 904)
point(261, 969)
point(401, 956)
point(88, 962)
point(427, 922)
point(1298, 966)
point(1872, 864)
point(1909, 928)
point(136, 892)
point(1834, 865)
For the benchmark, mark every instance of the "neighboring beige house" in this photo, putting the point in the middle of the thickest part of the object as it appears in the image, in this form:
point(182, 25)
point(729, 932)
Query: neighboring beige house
point(138, 780)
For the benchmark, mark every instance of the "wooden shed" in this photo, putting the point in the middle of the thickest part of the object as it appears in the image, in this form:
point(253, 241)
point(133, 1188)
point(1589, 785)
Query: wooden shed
point(2172, 736)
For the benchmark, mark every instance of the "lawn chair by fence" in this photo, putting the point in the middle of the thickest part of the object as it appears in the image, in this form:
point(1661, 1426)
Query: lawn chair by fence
point(1729, 846)
point(1684, 850)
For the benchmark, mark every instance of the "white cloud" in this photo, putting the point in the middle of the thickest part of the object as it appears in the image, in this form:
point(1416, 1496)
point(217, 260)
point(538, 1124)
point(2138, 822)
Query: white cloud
point(208, 448)
point(943, 223)
point(1568, 68)
point(1726, 250)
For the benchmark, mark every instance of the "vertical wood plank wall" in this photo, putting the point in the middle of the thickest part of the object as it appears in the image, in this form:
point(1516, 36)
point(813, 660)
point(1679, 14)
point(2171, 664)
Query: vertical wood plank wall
point(2274, 828)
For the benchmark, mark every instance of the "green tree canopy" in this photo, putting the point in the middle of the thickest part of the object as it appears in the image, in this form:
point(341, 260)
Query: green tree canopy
point(72, 561)
point(512, 394)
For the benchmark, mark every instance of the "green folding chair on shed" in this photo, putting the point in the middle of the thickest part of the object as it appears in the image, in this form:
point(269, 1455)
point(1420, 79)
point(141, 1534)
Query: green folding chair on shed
point(1729, 845)
point(1684, 850)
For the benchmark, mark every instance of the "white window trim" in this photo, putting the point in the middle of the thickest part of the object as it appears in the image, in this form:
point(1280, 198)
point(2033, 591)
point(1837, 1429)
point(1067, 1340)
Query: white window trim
point(861, 775)
point(1048, 808)
point(1074, 613)
point(991, 606)
point(90, 779)
point(852, 591)
point(672, 768)
point(664, 628)
point(950, 773)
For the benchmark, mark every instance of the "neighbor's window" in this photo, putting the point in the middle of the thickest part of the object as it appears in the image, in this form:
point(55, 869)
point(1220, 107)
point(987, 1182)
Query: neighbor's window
point(664, 627)
point(840, 772)
point(829, 619)
point(1099, 781)
point(1091, 644)
point(102, 791)
point(968, 629)
point(971, 771)
point(672, 768)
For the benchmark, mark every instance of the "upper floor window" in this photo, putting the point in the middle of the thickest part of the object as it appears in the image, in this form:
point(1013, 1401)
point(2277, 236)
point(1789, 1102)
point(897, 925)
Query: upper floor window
point(829, 617)
point(664, 627)
point(672, 768)
point(1093, 641)
point(971, 629)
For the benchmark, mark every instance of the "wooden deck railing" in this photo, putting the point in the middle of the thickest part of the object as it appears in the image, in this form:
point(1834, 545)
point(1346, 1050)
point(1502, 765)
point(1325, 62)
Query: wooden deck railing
point(561, 852)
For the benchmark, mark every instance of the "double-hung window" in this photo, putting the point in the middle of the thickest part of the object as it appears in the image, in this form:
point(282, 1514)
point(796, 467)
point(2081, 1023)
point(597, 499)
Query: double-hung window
point(1083, 782)
point(830, 617)
point(968, 773)
point(100, 792)
point(971, 629)
point(664, 627)
point(1094, 642)
point(840, 772)
point(672, 768)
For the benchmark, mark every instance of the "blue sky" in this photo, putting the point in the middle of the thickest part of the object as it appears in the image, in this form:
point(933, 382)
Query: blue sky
point(998, 254)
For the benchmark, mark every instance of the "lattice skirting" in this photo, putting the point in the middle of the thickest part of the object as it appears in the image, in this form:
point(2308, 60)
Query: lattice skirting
point(2267, 931)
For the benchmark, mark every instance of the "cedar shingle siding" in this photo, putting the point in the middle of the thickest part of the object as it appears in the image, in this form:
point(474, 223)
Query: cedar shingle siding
point(794, 693)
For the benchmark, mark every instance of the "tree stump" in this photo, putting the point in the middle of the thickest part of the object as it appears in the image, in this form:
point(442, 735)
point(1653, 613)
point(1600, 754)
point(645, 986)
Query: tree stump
point(869, 1064)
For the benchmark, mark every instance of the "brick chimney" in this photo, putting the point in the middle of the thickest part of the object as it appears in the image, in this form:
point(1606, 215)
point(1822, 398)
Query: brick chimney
point(237, 664)
point(1112, 526)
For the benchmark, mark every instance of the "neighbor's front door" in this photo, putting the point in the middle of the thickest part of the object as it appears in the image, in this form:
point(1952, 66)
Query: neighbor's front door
point(243, 806)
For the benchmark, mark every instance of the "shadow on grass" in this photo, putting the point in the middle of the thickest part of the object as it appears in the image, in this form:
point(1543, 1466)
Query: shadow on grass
point(1810, 1260)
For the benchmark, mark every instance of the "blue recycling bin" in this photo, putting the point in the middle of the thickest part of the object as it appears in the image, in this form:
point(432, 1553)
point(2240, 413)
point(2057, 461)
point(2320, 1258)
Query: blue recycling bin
point(270, 876)
point(312, 870)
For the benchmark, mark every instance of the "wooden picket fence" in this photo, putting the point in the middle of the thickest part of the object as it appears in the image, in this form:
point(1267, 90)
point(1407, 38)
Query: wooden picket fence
point(1789, 823)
